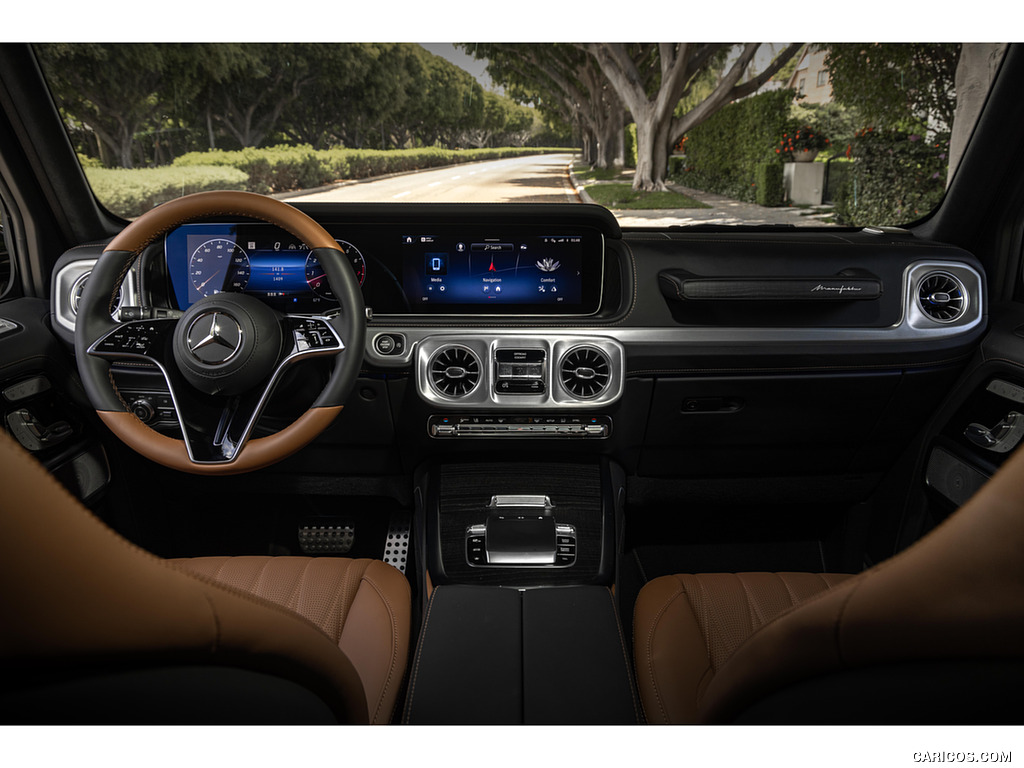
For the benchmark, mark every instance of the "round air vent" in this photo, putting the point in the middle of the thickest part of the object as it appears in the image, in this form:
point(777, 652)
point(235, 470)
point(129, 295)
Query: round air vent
point(79, 286)
point(454, 371)
point(942, 297)
point(585, 372)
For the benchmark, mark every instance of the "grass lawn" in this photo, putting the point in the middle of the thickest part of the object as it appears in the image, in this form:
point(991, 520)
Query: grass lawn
point(584, 172)
point(623, 196)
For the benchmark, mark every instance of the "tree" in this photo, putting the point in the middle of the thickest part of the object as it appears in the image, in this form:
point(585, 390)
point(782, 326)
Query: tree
point(566, 86)
point(651, 79)
point(896, 85)
point(448, 101)
point(120, 92)
point(249, 91)
point(504, 122)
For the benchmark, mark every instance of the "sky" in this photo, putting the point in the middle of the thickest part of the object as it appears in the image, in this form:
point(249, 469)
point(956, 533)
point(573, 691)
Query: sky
point(475, 67)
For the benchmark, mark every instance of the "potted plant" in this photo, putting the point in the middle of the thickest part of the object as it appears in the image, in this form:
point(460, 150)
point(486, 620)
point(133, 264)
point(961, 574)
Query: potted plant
point(801, 145)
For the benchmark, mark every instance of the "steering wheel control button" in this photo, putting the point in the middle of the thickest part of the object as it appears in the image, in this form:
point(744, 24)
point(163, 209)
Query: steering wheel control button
point(312, 334)
point(143, 410)
point(214, 338)
point(139, 339)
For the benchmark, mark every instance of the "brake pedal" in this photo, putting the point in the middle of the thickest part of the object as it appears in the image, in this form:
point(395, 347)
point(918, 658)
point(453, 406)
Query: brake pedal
point(326, 537)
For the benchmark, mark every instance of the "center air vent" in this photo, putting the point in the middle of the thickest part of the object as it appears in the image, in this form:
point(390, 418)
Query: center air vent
point(942, 297)
point(454, 371)
point(585, 372)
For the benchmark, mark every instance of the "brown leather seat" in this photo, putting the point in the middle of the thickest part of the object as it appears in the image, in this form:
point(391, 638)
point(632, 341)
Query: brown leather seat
point(947, 613)
point(78, 601)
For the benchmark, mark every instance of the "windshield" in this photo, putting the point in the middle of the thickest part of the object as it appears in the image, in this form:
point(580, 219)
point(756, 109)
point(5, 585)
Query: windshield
point(662, 134)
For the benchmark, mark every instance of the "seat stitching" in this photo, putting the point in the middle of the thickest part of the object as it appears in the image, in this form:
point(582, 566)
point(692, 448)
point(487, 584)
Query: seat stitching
point(335, 608)
point(625, 658)
point(703, 617)
point(394, 643)
point(753, 614)
point(216, 624)
point(419, 655)
point(295, 596)
point(793, 600)
point(650, 651)
point(353, 576)
point(342, 598)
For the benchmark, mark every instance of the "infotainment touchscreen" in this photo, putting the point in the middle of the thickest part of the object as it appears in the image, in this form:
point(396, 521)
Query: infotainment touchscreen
point(480, 272)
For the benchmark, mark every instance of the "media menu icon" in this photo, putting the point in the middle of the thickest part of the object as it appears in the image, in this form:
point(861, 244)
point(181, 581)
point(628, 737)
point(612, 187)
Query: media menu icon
point(436, 264)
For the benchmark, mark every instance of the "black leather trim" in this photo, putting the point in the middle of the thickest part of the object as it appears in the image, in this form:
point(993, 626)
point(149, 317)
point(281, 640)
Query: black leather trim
point(495, 655)
point(351, 324)
point(575, 667)
point(93, 321)
point(469, 664)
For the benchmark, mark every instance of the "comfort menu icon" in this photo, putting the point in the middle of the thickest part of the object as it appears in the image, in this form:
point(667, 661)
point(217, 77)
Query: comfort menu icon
point(548, 265)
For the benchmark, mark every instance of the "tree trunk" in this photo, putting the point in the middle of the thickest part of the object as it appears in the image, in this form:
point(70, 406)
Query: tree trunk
point(209, 128)
point(619, 123)
point(587, 147)
point(651, 154)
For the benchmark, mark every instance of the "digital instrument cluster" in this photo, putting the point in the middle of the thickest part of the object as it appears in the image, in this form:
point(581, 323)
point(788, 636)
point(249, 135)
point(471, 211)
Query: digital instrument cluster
point(446, 270)
point(262, 261)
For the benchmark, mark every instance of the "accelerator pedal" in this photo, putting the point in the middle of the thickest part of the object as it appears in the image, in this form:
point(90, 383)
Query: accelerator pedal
point(326, 536)
point(399, 541)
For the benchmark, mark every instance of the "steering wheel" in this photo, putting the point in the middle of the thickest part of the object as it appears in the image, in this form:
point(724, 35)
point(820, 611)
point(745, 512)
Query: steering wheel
point(223, 357)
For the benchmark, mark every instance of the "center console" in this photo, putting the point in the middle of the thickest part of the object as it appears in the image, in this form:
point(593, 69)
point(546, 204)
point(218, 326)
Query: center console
point(521, 624)
point(522, 524)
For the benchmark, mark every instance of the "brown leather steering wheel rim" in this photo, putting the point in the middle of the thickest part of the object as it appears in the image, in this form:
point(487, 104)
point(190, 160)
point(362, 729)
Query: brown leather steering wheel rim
point(122, 252)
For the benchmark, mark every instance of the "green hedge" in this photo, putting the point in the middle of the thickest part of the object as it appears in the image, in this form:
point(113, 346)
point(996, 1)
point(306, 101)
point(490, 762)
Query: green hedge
point(725, 153)
point(132, 192)
point(769, 189)
point(896, 178)
point(284, 169)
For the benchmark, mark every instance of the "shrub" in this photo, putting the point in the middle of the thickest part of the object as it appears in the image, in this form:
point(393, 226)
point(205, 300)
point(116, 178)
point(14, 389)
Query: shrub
point(769, 189)
point(131, 192)
point(725, 152)
point(897, 177)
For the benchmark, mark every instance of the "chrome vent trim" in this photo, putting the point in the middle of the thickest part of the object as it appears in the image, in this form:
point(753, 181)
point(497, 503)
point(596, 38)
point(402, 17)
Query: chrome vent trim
point(68, 285)
point(942, 297)
point(454, 371)
point(584, 372)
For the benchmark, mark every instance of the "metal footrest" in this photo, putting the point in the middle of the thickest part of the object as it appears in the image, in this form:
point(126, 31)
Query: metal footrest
point(327, 537)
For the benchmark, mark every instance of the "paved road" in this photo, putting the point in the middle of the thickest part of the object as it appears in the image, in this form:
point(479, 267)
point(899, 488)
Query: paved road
point(534, 179)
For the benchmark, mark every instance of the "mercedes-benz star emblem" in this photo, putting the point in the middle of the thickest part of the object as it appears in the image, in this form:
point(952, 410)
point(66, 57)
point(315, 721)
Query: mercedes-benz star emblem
point(214, 338)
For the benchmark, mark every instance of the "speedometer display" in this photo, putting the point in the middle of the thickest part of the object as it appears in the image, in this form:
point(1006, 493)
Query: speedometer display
point(217, 265)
